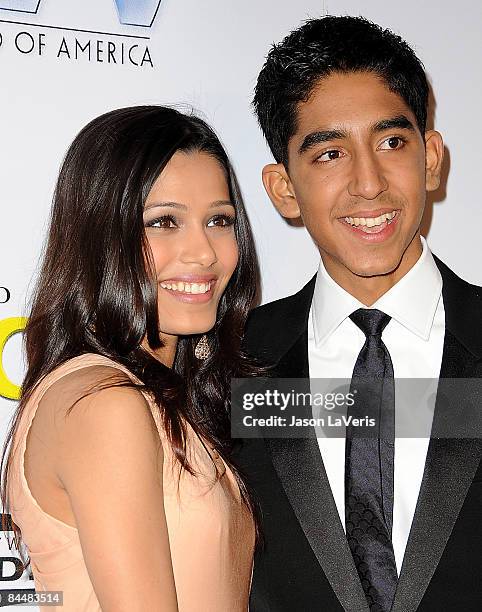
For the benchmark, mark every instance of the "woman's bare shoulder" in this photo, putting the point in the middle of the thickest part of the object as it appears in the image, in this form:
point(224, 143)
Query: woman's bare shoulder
point(95, 400)
point(89, 385)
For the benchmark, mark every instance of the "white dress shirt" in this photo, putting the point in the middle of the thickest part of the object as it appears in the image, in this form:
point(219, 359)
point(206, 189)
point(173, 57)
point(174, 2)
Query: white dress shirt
point(414, 338)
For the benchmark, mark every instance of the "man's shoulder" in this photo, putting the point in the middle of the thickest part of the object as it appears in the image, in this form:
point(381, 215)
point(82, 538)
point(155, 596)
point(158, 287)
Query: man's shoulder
point(458, 290)
point(463, 308)
point(286, 306)
point(274, 324)
point(268, 313)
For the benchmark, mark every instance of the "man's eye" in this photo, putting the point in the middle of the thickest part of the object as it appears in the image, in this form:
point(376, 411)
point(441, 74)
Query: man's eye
point(165, 222)
point(329, 155)
point(221, 221)
point(394, 142)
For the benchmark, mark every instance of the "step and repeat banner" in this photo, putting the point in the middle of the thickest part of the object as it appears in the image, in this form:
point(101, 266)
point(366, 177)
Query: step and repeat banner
point(64, 62)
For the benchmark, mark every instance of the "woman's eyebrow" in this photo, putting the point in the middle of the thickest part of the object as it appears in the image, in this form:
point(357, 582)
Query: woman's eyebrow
point(178, 206)
point(165, 205)
point(218, 203)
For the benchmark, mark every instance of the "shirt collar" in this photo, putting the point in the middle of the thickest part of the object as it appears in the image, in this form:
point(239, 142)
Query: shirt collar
point(412, 301)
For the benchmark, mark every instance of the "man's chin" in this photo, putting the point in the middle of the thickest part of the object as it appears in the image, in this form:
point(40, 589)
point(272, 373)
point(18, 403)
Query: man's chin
point(372, 268)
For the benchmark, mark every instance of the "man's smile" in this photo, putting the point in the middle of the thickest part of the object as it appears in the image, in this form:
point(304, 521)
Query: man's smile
point(375, 227)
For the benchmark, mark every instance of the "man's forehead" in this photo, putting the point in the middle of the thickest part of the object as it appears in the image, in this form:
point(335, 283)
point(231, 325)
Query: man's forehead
point(349, 104)
point(354, 79)
point(344, 93)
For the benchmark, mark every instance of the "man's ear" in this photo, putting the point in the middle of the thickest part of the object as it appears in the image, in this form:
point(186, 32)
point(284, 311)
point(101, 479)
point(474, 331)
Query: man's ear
point(280, 190)
point(434, 154)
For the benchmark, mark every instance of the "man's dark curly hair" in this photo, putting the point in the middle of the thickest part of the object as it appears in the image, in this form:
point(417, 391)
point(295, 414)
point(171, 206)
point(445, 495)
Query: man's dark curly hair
point(321, 47)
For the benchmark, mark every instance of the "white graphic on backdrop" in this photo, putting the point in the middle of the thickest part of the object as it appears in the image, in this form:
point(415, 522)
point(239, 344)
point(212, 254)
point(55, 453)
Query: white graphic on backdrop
point(137, 12)
point(131, 12)
point(68, 42)
point(21, 6)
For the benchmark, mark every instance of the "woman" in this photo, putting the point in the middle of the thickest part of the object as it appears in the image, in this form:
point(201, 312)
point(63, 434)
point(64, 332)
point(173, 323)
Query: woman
point(119, 478)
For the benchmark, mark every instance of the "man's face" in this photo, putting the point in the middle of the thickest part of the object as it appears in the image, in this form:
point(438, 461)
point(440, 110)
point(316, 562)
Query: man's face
point(357, 175)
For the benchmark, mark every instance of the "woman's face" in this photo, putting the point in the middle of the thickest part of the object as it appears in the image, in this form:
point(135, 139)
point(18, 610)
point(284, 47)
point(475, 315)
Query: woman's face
point(189, 220)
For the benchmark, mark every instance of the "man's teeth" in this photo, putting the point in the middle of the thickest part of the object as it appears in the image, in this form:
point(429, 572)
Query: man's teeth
point(187, 287)
point(370, 221)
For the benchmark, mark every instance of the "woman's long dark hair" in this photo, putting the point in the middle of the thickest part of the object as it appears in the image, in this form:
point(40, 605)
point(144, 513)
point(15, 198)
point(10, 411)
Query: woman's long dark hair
point(96, 292)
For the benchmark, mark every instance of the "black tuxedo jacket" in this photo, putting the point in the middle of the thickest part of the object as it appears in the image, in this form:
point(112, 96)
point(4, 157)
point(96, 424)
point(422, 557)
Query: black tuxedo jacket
point(304, 563)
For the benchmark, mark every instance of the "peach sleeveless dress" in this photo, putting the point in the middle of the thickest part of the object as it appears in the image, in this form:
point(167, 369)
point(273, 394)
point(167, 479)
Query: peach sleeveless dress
point(211, 533)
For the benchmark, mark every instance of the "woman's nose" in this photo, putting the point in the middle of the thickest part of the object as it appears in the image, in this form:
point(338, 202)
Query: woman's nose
point(198, 249)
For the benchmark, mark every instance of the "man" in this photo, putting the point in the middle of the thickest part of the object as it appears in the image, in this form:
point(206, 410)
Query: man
point(343, 106)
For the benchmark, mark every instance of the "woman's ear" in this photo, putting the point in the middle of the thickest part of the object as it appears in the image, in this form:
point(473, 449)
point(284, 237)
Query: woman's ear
point(280, 190)
point(434, 154)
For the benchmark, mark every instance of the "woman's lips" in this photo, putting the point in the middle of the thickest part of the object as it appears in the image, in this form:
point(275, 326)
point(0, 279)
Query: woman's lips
point(198, 290)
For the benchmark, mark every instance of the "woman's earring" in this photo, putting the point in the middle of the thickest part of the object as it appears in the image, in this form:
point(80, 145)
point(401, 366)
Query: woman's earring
point(202, 350)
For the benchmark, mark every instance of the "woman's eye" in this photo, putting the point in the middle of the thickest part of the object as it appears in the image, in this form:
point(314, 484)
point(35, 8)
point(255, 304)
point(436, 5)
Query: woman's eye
point(221, 221)
point(330, 155)
point(392, 143)
point(166, 222)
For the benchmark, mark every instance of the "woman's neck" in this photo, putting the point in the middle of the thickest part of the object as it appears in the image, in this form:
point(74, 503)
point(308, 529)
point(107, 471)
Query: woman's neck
point(166, 353)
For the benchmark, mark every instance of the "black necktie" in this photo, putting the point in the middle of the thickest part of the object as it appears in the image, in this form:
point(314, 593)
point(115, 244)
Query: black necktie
point(369, 460)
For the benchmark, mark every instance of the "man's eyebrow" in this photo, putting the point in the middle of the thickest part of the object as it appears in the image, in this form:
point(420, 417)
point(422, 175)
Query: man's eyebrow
point(319, 137)
point(176, 205)
point(400, 122)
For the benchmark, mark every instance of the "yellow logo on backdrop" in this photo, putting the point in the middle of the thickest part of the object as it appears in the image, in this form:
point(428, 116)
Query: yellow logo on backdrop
point(9, 327)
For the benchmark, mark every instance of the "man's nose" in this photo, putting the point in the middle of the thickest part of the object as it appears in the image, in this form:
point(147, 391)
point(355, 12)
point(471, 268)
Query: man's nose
point(197, 248)
point(367, 180)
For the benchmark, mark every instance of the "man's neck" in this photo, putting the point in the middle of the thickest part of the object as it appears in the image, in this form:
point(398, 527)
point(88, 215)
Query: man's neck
point(368, 289)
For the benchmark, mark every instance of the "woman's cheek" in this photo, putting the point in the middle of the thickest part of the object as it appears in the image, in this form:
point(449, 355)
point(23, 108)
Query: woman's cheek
point(234, 258)
point(228, 254)
point(162, 252)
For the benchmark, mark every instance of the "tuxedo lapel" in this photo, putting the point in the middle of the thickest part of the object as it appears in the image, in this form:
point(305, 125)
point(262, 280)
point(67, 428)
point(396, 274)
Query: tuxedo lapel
point(451, 462)
point(300, 469)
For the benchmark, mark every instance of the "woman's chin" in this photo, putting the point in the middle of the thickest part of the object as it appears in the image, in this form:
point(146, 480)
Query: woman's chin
point(189, 328)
